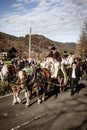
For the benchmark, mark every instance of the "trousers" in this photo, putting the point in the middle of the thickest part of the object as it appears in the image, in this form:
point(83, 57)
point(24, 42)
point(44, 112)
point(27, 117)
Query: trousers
point(73, 84)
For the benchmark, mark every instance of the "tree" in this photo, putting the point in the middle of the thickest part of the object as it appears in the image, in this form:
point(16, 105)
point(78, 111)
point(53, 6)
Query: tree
point(81, 48)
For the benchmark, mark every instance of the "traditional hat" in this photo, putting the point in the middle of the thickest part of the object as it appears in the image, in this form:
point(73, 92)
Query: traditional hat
point(53, 48)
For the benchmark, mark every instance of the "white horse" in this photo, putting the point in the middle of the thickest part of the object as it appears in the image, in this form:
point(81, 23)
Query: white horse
point(3, 72)
point(52, 65)
point(1, 76)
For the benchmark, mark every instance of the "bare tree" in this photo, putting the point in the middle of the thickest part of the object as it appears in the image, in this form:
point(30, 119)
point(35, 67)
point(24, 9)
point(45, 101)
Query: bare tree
point(81, 48)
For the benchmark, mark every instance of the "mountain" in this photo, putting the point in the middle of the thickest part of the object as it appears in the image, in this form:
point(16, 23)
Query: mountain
point(70, 46)
point(39, 45)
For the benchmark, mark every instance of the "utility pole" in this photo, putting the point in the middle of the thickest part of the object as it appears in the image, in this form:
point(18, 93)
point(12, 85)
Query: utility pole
point(30, 44)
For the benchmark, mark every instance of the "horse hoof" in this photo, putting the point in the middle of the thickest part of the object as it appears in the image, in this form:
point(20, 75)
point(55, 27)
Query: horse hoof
point(19, 101)
point(13, 104)
point(39, 101)
point(63, 90)
point(26, 105)
point(43, 99)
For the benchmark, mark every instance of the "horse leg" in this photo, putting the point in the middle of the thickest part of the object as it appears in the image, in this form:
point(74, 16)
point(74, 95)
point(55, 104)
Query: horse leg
point(27, 96)
point(18, 97)
point(37, 94)
point(38, 97)
point(14, 95)
point(60, 80)
point(14, 99)
point(48, 86)
point(44, 92)
point(46, 89)
point(43, 97)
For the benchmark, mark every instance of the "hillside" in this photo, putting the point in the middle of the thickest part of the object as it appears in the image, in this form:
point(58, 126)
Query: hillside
point(39, 44)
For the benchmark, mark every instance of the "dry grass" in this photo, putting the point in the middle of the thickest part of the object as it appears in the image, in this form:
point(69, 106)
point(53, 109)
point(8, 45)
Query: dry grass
point(4, 88)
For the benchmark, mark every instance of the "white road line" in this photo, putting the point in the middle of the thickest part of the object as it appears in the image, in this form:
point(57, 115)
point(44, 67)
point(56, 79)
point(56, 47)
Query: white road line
point(29, 121)
point(7, 95)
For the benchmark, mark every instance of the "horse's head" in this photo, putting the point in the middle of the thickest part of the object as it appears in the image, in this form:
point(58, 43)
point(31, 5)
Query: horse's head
point(4, 71)
point(8, 70)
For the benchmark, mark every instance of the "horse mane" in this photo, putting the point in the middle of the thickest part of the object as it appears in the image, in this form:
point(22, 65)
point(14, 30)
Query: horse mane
point(31, 79)
point(12, 69)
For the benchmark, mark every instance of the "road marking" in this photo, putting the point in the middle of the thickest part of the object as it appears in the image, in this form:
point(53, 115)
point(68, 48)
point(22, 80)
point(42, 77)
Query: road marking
point(29, 121)
point(7, 95)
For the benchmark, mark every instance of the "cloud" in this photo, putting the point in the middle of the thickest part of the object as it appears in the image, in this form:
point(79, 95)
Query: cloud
point(56, 19)
point(17, 5)
point(25, 1)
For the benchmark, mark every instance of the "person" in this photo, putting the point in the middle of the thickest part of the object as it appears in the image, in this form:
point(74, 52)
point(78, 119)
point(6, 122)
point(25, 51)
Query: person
point(74, 76)
point(1, 65)
point(70, 59)
point(54, 54)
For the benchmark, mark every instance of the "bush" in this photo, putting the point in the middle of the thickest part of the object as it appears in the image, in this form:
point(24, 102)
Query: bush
point(4, 88)
point(7, 62)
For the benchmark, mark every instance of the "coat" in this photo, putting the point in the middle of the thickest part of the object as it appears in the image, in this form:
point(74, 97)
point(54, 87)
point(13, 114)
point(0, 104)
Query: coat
point(78, 73)
point(56, 55)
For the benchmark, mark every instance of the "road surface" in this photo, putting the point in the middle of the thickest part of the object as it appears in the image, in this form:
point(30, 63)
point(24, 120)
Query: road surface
point(65, 112)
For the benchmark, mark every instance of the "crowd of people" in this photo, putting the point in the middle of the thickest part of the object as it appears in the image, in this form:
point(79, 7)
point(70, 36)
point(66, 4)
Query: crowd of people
point(74, 66)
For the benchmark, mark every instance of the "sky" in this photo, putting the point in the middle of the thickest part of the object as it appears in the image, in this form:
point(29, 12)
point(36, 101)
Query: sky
point(58, 20)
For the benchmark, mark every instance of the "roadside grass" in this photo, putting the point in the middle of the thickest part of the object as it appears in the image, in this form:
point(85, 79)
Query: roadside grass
point(7, 62)
point(4, 88)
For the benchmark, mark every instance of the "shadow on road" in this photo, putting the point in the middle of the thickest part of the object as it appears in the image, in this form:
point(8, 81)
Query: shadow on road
point(79, 87)
point(55, 90)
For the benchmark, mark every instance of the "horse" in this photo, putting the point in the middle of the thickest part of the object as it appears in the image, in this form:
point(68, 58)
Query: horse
point(52, 65)
point(9, 73)
point(33, 81)
point(57, 70)
point(18, 81)
point(45, 76)
point(39, 79)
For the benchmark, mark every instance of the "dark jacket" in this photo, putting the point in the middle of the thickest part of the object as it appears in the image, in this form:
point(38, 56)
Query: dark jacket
point(56, 55)
point(78, 73)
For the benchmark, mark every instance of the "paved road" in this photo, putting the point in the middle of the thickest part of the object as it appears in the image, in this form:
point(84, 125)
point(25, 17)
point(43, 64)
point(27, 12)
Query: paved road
point(63, 113)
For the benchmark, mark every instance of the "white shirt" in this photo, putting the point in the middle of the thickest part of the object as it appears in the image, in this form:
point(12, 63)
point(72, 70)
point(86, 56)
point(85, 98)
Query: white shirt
point(73, 73)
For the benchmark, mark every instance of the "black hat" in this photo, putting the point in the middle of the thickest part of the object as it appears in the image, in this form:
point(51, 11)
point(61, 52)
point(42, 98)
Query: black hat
point(53, 48)
point(65, 52)
point(29, 63)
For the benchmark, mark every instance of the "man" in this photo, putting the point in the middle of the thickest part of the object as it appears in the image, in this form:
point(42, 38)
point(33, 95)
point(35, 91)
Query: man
point(70, 59)
point(1, 65)
point(74, 76)
point(54, 54)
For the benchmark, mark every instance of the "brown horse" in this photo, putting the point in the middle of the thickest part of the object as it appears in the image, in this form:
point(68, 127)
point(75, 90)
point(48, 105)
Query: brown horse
point(9, 73)
point(45, 81)
point(38, 80)
point(18, 80)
